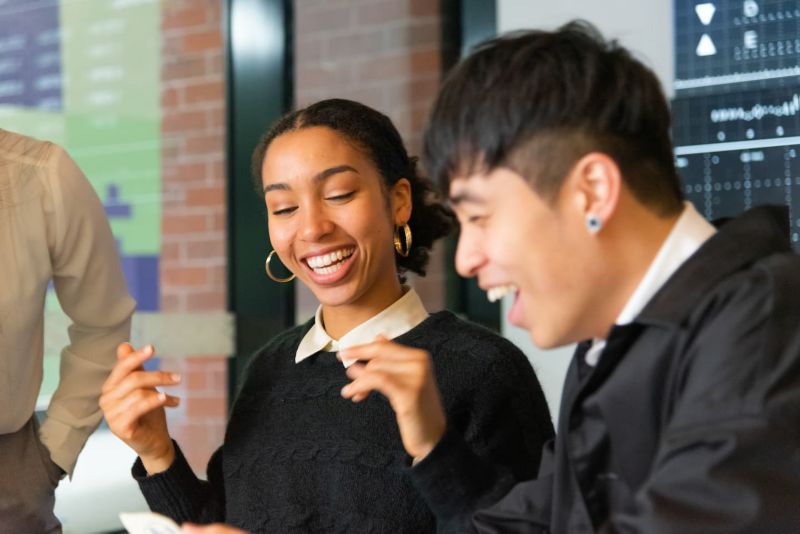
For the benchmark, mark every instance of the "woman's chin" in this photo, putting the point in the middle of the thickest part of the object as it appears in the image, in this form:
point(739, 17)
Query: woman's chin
point(333, 296)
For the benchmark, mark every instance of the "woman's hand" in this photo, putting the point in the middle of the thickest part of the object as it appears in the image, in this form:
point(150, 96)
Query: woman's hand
point(405, 376)
point(134, 409)
point(216, 528)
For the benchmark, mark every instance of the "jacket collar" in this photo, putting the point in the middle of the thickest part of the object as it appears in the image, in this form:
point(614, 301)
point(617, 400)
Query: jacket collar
point(739, 242)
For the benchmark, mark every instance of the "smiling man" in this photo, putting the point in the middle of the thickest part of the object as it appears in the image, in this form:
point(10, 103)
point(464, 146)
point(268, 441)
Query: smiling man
point(681, 407)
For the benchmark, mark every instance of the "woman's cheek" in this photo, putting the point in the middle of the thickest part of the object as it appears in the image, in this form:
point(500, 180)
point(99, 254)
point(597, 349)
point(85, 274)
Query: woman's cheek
point(280, 235)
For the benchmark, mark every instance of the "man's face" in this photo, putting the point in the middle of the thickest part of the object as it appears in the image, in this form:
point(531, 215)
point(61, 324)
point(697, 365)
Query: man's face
point(511, 238)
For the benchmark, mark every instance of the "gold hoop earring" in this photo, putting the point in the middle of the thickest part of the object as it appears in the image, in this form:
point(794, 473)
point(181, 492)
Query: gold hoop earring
point(398, 245)
point(272, 276)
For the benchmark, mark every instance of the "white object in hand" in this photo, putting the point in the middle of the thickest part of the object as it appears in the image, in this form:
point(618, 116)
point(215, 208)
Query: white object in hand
point(148, 523)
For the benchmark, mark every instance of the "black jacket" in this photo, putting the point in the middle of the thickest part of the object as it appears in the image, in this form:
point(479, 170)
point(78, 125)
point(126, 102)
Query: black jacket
point(691, 420)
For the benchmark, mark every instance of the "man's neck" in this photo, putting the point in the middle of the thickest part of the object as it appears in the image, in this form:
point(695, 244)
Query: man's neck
point(636, 236)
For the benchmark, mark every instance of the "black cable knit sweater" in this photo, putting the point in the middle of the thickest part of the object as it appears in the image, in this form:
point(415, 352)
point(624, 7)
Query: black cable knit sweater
point(297, 457)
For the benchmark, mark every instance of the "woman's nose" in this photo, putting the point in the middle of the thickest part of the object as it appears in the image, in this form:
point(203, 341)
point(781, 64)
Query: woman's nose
point(315, 224)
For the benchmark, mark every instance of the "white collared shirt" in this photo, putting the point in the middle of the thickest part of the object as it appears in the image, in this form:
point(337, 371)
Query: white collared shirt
point(689, 233)
point(400, 317)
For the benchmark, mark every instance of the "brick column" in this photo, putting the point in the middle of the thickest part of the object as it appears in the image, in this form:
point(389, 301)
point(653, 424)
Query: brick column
point(193, 251)
point(383, 53)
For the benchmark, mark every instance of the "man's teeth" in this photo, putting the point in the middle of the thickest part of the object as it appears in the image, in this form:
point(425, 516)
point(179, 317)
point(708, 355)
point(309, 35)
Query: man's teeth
point(497, 292)
point(329, 263)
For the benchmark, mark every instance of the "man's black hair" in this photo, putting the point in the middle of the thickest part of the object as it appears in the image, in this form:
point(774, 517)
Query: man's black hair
point(537, 101)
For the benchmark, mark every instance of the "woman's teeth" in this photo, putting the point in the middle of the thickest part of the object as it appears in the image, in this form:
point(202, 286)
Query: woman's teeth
point(329, 263)
point(496, 293)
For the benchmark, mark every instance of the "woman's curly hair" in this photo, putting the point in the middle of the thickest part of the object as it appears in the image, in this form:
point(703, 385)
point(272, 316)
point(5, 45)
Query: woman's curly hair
point(374, 133)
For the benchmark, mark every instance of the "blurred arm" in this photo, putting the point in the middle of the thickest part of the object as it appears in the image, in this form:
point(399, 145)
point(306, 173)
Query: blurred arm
point(91, 290)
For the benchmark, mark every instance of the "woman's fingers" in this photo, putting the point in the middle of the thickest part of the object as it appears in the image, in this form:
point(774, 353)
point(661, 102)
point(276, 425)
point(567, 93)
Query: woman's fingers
point(144, 380)
point(378, 348)
point(382, 349)
point(137, 405)
point(123, 350)
point(405, 377)
point(394, 386)
point(377, 364)
point(124, 418)
point(130, 393)
point(127, 364)
point(359, 387)
point(216, 528)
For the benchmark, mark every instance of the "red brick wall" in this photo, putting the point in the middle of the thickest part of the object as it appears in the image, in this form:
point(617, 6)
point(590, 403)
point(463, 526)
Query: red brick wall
point(193, 225)
point(384, 53)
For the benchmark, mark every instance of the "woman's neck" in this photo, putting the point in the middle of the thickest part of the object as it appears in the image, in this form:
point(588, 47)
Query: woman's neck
point(339, 320)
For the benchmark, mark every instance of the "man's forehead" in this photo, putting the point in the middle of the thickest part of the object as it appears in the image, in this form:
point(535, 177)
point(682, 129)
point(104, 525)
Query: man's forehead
point(499, 185)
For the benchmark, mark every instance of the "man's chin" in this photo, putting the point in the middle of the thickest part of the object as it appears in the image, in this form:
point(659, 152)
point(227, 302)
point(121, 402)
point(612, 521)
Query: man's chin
point(544, 341)
point(519, 322)
point(516, 312)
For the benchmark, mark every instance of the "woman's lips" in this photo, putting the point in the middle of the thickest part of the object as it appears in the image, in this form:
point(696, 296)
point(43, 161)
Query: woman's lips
point(333, 273)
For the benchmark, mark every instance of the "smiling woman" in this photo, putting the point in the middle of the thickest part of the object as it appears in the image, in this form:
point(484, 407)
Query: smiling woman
point(348, 215)
point(331, 223)
point(373, 140)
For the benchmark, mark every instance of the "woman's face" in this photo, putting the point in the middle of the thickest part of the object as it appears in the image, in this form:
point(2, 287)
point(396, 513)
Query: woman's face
point(330, 221)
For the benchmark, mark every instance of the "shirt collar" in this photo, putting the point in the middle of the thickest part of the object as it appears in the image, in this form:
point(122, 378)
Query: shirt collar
point(400, 317)
point(689, 233)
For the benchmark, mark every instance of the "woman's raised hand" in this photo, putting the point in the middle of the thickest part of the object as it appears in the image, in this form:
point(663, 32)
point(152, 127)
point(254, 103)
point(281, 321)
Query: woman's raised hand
point(216, 528)
point(405, 376)
point(134, 409)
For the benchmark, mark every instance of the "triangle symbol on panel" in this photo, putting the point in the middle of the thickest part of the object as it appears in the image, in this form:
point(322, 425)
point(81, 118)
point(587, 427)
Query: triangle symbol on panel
point(705, 12)
point(706, 46)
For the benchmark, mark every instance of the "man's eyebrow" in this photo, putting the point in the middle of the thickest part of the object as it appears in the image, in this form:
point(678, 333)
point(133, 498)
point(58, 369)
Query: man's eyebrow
point(319, 177)
point(464, 196)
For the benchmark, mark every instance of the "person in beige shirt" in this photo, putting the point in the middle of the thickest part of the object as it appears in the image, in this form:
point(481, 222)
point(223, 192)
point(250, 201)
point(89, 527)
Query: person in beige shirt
point(52, 227)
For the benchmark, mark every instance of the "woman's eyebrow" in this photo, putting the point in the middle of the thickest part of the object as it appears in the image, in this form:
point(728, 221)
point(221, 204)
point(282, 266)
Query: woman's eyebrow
point(319, 177)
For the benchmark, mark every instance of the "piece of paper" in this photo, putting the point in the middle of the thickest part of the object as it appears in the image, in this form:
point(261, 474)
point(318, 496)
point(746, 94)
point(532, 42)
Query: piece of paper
point(148, 523)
